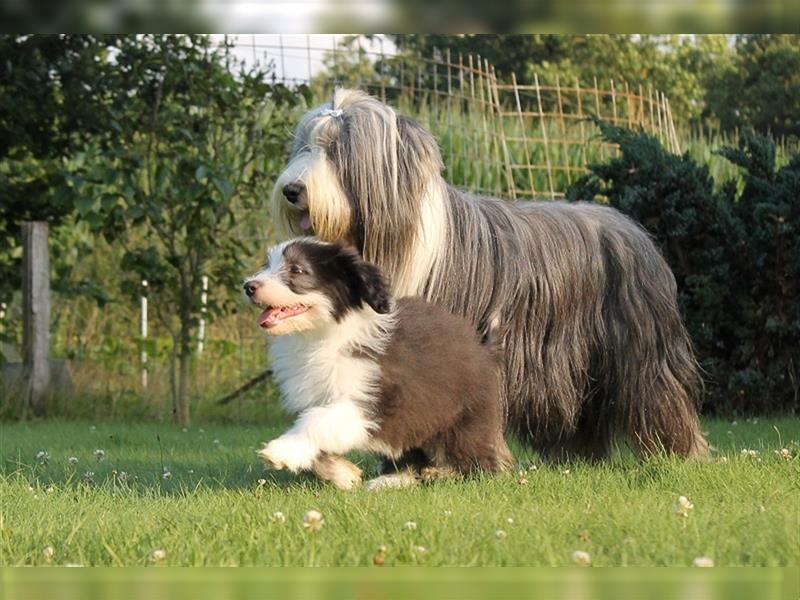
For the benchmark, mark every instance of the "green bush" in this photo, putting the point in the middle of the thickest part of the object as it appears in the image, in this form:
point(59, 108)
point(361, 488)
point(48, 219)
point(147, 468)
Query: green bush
point(735, 255)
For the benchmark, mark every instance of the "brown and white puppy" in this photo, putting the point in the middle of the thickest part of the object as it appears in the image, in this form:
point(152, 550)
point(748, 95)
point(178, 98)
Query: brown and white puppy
point(365, 372)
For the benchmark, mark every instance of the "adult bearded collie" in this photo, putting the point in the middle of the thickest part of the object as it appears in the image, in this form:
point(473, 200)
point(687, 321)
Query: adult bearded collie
point(593, 348)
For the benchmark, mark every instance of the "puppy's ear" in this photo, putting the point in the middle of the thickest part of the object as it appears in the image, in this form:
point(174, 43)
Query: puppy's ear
point(366, 281)
point(375, 289)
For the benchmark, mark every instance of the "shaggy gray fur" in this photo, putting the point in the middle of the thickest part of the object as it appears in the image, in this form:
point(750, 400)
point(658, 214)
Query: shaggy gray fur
point(583, 302)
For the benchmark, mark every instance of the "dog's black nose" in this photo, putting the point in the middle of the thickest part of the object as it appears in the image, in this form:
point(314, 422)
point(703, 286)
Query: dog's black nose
point(293, 192)
point(250, 288)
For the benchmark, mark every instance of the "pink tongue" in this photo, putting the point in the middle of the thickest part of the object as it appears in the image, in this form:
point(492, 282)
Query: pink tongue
point(305, 222)
point(268, 317)
point(273, 314)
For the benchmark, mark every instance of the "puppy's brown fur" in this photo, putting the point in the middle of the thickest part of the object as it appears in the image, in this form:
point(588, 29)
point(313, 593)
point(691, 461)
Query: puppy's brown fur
point(438, 390)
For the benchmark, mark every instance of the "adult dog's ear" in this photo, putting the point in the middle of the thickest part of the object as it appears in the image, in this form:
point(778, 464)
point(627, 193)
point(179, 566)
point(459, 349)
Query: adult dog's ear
point(375, 289)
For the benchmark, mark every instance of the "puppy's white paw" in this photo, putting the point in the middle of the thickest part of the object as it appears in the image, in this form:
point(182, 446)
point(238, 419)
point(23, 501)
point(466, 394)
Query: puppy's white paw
point(392, 481)
point(288, 453)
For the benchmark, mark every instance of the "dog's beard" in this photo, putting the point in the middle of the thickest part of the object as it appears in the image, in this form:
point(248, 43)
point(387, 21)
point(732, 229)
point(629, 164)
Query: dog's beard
point(325, 211)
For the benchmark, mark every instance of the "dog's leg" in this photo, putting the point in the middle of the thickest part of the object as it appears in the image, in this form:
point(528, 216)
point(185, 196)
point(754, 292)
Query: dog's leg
point(400, 472)
point(336, 429)
point(502, 453)
point(339, 471)
point(399, 479)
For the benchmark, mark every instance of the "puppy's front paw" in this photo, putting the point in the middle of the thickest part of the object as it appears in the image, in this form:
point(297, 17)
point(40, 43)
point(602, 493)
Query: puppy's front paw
point(288, 453)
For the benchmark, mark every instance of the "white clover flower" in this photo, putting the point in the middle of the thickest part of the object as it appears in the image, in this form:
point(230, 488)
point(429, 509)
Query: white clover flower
point(123, 477)
point(683, 507)
point(167, 475)
point(448, 513)
point(262, 482)
point(48, 553)
point(410, 525)
point(278, 517)
point(784, 453)
point(749, 453)
point(99, 454)
point(500, 534)
point(73, 460)
point(703, 561)
point(722, 460)
point(42, 457)
point(510, 520)
point(313, 521)
point(50, 489)
point(88, 477)
point(158, 555)
point(216, 442)
point(581, 558)
point(419, 549)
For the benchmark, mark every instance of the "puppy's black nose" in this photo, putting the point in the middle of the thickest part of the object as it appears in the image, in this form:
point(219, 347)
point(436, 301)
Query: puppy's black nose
point(250, 288)
point(293, 191)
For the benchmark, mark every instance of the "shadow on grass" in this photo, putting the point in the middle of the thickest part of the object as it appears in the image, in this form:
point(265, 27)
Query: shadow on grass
point(179, 478)
point(151, 460)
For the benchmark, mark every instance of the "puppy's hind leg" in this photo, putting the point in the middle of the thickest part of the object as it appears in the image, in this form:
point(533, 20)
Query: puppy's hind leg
point(339, 471)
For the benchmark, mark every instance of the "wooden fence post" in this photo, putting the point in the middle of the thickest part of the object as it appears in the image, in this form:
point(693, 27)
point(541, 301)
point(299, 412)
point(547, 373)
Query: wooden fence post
point(35, 315)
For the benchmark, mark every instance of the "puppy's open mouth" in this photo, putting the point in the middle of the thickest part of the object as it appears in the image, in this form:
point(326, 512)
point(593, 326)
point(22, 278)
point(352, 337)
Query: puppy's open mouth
point(273, 315)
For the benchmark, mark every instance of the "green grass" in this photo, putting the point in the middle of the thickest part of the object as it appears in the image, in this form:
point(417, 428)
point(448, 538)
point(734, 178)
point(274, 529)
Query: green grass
point(213, 511)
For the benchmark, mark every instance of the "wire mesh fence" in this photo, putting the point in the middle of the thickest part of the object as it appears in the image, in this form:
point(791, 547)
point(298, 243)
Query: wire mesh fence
point(498, 136)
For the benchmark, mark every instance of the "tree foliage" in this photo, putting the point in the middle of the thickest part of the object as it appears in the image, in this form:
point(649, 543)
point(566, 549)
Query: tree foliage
point(196, 145)
point(760, 87)
point(48, 112)
point(736, 258)
point(169, 153)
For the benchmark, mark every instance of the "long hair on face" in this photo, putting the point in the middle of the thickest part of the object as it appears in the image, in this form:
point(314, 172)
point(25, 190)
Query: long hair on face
point(584, 305)
point(367, 173)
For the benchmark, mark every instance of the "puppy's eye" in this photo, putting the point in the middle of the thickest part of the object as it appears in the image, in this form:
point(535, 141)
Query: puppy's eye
point(296, 270)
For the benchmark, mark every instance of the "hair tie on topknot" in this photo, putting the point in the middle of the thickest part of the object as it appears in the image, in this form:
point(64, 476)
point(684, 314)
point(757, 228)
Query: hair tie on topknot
point(330, 112)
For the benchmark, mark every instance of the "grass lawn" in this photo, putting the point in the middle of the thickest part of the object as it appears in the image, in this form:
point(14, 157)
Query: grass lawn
point(195, 495)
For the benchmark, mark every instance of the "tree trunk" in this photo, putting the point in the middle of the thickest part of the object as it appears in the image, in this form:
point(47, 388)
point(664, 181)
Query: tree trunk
point(184, 352)
point(182, 401)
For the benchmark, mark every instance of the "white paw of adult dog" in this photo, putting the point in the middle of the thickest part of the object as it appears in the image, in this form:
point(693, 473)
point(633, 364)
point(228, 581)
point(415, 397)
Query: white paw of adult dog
point(391, 481)
point(288, 453)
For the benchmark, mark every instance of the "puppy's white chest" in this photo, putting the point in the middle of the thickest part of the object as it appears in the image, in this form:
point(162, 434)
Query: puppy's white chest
point(316, 372)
